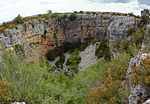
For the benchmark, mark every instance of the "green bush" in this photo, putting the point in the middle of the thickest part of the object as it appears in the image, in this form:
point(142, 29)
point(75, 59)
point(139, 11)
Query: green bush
point(141, 74)
point(18, 19)
point(73, 61)
point(7, 25)
point(65, 47)
point(34, 83)
point(110, 89)
point(72, 17)
point(49, 11)
point(103, 50)
point(19, 49)
point(75, 12)
point(131, 31)
point(54, 15)
point(23, 80)
point(53, 53)
point(138, 37)
point(131, 46)
point(120, 45)
point(145, 17)
point(81, 12)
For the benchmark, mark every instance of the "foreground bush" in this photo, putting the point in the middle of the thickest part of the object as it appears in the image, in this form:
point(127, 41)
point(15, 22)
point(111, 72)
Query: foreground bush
point(23, 81)
point(111, 89)
point(34, 83)
point(141, 74)
point(103, 50)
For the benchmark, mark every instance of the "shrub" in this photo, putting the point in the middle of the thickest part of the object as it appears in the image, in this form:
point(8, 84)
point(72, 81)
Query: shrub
point(73, 61)
point(81, 12)
point(145, 19)
point(49, 11)
point(131, 14)
point(54, 15)
point(53, 53)
point(23, 80)
point(110, 90)
point(141, 74)
point(7, 25)
point(131, 31)
point(18, 19)
point(65, 47)
point(3, 92)
point(103, 50)
point(133, 50)
point(145, 16)
point(34, 83)
point(138, 37)
point(19, 49)
point(72, 17)
point(75, 12)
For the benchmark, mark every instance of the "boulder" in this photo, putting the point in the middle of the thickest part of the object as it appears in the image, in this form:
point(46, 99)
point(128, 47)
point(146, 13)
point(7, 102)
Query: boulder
point(147, 101)
point(138, 93)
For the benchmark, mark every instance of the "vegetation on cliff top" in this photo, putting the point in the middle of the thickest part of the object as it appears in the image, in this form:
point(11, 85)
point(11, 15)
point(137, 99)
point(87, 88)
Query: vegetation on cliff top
point(71, 16)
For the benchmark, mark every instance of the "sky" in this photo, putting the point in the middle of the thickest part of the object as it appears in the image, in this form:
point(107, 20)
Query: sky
point(9, 9)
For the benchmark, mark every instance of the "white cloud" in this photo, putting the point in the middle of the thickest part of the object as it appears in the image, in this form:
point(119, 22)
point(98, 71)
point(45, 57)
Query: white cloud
point(108, 1)
point(11, 8)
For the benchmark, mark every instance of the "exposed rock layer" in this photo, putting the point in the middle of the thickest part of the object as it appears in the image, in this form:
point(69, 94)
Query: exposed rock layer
point(88, 57)
point(140, 92)
point(37, 36)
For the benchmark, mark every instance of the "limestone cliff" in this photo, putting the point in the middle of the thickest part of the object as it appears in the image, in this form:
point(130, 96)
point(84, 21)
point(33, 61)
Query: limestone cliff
point(141, 91)
point(37, 36)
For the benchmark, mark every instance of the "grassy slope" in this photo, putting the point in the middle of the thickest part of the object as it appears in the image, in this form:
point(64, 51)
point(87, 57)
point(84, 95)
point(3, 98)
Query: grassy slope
point(35, 83)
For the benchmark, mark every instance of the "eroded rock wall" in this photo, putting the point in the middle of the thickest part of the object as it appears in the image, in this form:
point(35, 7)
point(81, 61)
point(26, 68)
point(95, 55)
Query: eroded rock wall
point(38, 36)
point(139, 92)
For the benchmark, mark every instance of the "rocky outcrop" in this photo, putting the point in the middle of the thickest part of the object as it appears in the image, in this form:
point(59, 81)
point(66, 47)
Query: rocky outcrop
point(119, 26)
point(118, 29)
point(88, 57)
point(140, 92)
point(147, 101)
point(64, 68)
point(37, 36)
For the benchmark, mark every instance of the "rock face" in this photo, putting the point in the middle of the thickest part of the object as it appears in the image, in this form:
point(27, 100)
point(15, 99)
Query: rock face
point(119, 26)
point(118, 29)
point(147, 101)
point(139, 92)
point(37, 36)
point(88, 57)
point(65, 67)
